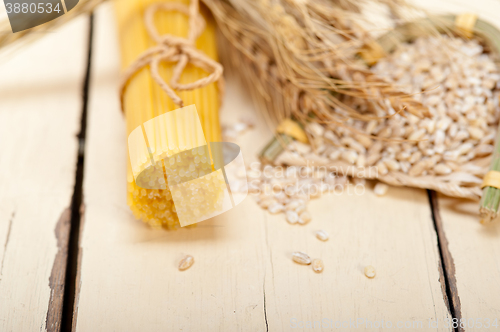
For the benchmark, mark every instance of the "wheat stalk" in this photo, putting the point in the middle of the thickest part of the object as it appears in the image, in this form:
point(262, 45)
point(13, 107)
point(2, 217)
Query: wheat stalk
point(300, 59)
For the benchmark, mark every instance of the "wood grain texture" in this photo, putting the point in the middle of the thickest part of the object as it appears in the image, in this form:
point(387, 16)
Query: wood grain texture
point(476, 255)
point(40, 107)
point(130, 269)
point(243, 278)
point(474, 248)
point(393, 233)
point(57, 279)
point(448, 262)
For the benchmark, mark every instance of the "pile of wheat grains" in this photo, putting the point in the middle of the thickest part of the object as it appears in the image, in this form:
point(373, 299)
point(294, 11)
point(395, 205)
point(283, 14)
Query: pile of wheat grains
point(454, 78)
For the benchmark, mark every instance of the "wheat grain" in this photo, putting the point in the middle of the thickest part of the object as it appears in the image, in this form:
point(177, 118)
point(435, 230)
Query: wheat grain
point(380, 189)
point(462, 94)
point(318, 266)
point(304, 218)
point(186, 263)
point(292, 217)
point(370, 272)
point(322, 235)
point(301, 258)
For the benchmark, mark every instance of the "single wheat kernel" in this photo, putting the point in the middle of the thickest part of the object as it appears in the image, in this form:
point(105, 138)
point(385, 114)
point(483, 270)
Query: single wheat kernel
point(304, 217)
point(275, 208)
point(334, 155)
point(381, 189)
point(186, 263)
point(300, 208)
point(301, 258)
point(361, 162)
point(392, 164)
point(382, 169)
point(350, 156)
point(300, 147)
point(316, 129)
point(292, 217)
point(322, 235)
point(317, 265)
point(370, 271)
point(265, 203)
point(442, 169)
point(292, 205)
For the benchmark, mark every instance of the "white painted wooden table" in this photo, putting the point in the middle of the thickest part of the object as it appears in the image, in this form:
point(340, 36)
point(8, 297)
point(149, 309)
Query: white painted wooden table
point(40, 109)
point(434, 261)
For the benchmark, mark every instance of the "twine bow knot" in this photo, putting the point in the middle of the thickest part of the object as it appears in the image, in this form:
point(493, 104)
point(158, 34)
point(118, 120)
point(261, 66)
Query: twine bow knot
point(175, 49)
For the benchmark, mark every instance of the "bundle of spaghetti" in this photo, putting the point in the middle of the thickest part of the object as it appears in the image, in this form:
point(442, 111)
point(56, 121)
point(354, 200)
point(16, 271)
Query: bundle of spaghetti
point(144, 101)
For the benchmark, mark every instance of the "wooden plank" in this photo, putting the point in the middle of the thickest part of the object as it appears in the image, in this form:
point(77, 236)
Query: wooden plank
point(473, 250)
point(40, 108)
point(130, 269)
point(474, 269)
point(243, 278)
point(394, 233)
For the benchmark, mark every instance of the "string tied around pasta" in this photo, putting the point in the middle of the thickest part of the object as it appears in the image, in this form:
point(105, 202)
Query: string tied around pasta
point(171, 48)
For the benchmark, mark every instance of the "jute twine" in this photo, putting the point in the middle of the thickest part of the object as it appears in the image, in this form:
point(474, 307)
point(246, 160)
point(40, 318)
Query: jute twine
point(175, 49)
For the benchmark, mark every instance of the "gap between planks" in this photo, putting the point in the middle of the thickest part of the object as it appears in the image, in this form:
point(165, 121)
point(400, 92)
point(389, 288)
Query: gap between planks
point(25, 305)
point(72, 263)
point(449, 281)
point(268, 305)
